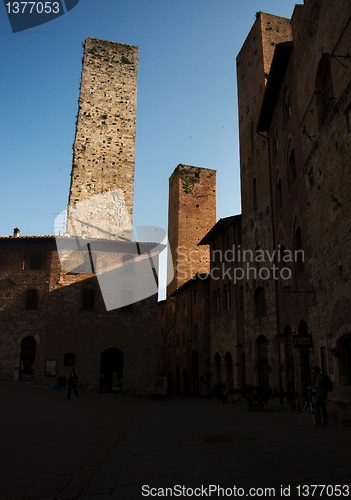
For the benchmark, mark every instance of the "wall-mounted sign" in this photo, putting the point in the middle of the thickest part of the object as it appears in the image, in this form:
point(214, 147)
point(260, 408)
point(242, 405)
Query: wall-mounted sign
point(50, 368)
point(302, 341)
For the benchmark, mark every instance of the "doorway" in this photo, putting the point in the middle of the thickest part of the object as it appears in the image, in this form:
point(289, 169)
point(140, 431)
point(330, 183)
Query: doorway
point(195, 372)
point(262, 362)
point(28, 350)
point(111, 370)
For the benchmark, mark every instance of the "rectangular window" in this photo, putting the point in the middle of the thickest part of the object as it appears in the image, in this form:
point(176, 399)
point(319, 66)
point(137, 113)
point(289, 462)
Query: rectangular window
point(348, 118)
point(35, 260)
point(88, 299)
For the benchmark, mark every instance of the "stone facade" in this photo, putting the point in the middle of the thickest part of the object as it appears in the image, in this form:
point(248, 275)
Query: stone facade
point(68, 301)
point(49, 314)
point(226, 312)
point(191, 214)
point(186, 338)
point(253, 66)
point(184, 333)
point(104, 144)
point(291, 310)
point(303, 125)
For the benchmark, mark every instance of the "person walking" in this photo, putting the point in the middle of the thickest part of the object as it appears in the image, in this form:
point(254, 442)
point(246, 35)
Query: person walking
point(320, 399)
point(72, 384)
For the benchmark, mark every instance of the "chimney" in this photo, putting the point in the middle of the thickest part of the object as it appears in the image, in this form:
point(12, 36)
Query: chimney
point(16, 232)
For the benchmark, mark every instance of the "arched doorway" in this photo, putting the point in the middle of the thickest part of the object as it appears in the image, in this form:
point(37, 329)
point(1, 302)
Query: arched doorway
point(28, 349)
point(177, 387)
point(289, 360)
point(242, 371)
point(262, 362)
point(344, 348)
point(228, 360)
point(305, 367)
point(111, 370)
point(217, 374)
point(195, 372)
point(185, 383)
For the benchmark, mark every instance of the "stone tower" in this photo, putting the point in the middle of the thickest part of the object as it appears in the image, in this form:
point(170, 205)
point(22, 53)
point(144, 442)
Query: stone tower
point(191, 214)
point(253, 68)
point(104, 145)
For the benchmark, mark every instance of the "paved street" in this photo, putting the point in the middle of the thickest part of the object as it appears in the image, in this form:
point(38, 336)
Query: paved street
point(107, 446)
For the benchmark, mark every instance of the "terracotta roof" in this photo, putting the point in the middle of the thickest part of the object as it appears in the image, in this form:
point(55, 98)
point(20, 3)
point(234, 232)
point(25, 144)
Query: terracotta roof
point(73, 239)
point(38, 236)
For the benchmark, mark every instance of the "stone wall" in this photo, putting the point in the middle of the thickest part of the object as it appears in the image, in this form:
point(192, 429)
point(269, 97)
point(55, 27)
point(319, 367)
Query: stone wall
point(253, 66)
point(61, 325)
point(104, 145)
point(307, 181)
point(191, 214)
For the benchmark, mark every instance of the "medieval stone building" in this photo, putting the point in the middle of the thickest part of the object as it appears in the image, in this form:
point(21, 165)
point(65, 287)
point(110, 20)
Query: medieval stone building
point(290, 309)
point(294, 99)
point(226, 306)
point(256, 299)
point(184, 332)
point(77, 299)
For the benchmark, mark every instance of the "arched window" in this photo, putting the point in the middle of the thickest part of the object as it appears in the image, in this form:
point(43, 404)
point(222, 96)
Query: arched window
point(229, 371)
point(31, 299)
point(241, 298)
point(262, 362)
point(324, 90)
point(88, 297)
point(218, 300)
point(286, 105)
point(260, 301)
point(291, 168)
point(302, 329)
point(275, 144)
point(218, 368)
point(299, 253)
point(254, 194)
point(228, 294)
point(279, 198)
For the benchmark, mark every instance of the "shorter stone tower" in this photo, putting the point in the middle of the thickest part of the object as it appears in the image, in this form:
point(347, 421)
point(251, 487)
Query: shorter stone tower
point(191, 214)
point(104, 145)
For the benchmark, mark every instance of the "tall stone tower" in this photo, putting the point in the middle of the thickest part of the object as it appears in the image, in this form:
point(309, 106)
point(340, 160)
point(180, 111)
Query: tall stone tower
point(253, 67)
point(104, 145)
point(191, 214)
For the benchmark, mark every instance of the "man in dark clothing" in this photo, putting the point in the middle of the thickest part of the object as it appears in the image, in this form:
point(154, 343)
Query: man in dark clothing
point(72, 384)
point(320, 399)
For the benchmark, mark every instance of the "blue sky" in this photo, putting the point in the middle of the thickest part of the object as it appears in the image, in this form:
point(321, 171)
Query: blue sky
point(186, 109)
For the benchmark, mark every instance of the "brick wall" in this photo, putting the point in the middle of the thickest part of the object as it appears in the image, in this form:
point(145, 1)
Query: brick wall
point(191, 214)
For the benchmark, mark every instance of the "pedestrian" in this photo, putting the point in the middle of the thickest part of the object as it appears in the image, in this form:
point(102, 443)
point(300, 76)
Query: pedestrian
point(72, 384)
point(320, 399)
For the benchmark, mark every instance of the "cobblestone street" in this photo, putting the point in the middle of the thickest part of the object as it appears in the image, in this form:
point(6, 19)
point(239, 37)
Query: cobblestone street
point(107, 446)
